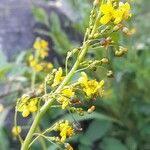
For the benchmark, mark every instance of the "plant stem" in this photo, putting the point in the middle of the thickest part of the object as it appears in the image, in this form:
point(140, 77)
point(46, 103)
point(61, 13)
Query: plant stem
point(47, 105)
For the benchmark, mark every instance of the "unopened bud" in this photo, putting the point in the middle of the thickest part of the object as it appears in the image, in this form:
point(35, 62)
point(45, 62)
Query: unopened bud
point(119, 53)
point(96, 35)
point(68, 146)
point(96, 2)
point(104, 60)
point(81, 113)
point(125, 30)
point(117, 27)
point(123, 49)
point(105, 41)
point(110, 74)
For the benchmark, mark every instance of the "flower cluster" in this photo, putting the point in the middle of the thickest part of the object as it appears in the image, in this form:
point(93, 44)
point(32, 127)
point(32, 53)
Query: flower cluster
point(27, 105)
point(91, 87)
point(113, 13)
point(41, 52)
point(66, 90)
point(65, 130)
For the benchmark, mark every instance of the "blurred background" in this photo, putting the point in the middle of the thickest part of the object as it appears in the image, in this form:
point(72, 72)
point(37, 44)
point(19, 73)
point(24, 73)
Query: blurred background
point(122, 117)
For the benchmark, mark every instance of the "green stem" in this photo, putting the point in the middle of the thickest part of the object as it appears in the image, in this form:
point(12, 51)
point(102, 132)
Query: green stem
point(41, 140)
point(47, 105)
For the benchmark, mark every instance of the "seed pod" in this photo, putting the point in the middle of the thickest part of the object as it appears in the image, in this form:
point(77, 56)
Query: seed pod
point(91, 109)
point(110, 74)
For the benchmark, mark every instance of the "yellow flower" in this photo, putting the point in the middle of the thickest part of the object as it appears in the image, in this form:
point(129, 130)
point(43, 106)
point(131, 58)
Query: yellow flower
point(108, 11)
point(46, 66)
point(40, 44)
point(27, 105)
point(90, 87)
point(123, 12)
point(115, 15)
point(68, 92)
point(65, 129)
point(58, 77)
point(32, 105)
point(43, 53)
point(65, 98)
point(16, 130)
point(49, 65)
point(125, 8)
point(38, 67)
point(25, 111)
point(64, 101)
point(33, 63)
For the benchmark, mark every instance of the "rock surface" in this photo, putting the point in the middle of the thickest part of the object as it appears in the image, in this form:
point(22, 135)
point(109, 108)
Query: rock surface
point(16, 26)
point(17, 23)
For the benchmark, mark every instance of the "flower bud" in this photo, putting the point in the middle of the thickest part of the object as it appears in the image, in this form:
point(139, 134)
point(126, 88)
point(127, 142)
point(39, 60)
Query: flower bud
point(91, 109)
point(96, 2)
point(125, 50)
point(119, 53)
point(125, 30)
point(110, 74)
point(104, 60)
point(68, 146)
point(96, 35)
point(117, 27)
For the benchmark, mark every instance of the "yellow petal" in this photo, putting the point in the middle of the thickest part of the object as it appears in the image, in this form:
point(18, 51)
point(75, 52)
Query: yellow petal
point(25, 113)
point(105, 19)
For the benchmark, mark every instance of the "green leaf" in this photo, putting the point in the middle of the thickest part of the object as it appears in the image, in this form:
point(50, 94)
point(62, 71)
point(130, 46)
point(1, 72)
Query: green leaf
point(131, 143)
point(58, 35)
point(20, 57)
point(40, 15)
point(112, 144)
point(4, 70)
point(97, 129)
point(83, 147)
point(94, 115)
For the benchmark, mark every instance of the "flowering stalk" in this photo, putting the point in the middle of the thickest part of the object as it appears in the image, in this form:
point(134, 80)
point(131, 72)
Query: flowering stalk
point(99, 19)
point(47, 105)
